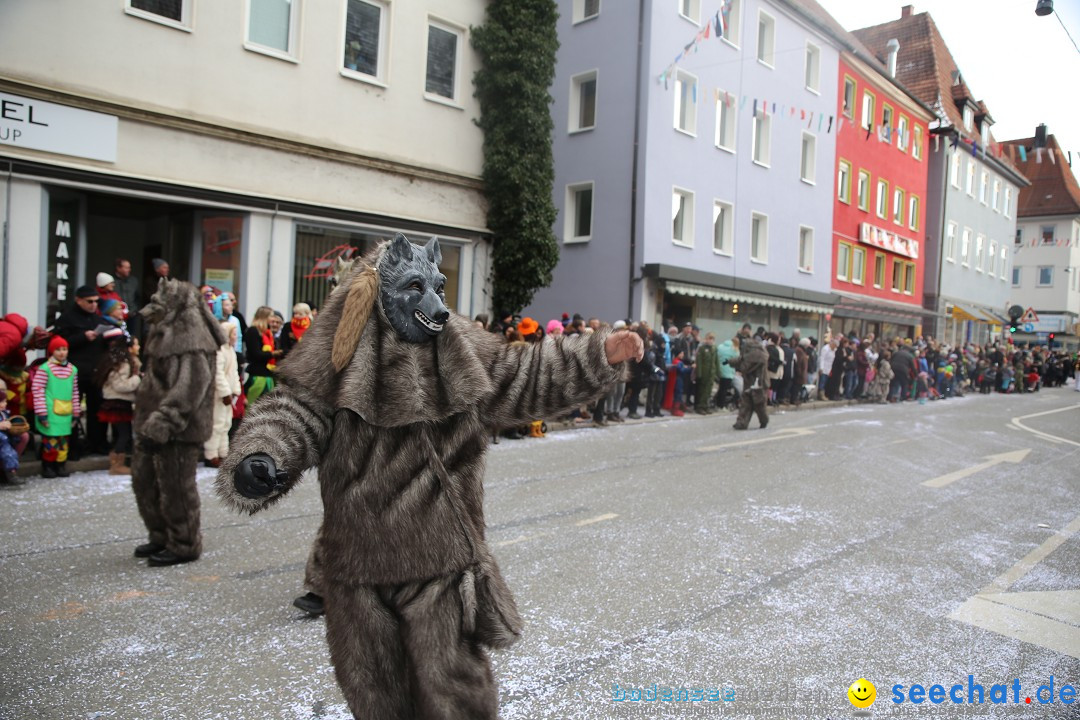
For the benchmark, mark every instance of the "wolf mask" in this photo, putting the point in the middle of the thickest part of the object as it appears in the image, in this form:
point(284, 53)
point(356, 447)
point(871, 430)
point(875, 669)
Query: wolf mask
point(411, 289)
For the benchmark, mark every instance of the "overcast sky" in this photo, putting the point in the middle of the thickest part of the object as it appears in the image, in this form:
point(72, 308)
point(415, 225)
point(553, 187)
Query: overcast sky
point(1024, 67)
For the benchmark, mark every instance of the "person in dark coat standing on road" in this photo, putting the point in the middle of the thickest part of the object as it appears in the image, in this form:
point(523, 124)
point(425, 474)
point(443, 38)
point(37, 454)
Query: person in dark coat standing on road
point(752, 363)
point(904, 370)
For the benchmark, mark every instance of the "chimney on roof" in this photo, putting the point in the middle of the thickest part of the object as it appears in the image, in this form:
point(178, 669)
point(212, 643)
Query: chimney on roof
point(1040, 136)
point(893, 46)
point(905, 12)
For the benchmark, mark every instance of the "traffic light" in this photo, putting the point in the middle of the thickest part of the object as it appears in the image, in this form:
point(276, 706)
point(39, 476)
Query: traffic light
point(1050, 337)
point(1012, 325)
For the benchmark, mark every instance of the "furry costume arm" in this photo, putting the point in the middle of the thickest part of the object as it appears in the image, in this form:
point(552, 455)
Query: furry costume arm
point(544, 379)
point(290, 427)
point(190, 376)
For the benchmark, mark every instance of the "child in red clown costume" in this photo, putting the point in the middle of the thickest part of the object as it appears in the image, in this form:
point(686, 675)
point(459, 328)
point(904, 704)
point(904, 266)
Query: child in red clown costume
point(56, 405)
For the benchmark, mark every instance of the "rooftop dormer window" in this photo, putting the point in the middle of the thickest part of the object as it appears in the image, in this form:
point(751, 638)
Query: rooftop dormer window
point(969, 118)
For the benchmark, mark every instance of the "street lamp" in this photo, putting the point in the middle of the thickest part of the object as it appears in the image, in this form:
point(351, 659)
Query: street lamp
point(1044, 7)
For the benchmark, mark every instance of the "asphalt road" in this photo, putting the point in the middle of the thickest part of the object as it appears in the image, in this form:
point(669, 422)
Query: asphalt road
point(904, 544)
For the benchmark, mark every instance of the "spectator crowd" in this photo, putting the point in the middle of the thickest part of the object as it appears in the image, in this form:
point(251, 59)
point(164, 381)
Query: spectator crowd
point(78, 398)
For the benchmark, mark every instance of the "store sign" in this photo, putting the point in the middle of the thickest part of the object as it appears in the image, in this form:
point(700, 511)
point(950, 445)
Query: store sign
point(887, 240)
point(63, 244)
point(40, 125)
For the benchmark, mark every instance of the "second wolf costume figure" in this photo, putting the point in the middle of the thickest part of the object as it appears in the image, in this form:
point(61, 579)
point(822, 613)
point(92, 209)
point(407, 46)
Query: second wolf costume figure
point(174, 410)
point(394, 398)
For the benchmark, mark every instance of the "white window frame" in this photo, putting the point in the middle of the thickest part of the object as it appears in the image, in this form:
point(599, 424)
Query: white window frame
point(762, 258)
point(898, 205)
point(812, 70)
point(954, 170)
point(731, 30)
point(576, 83)
point(980, 246)
point(570, 221)
point(1008, 202)
point(766, 55)
point(909, 275)
point(863, 201)
point(187, 11)
point(984, 187)
point(965, 247)
point(290, 52)
point(843, 187)
point(725, 212)
point(730, 116)
point(901, 132)
point(1017, 276)
point(383, 57)
point(860, 265)
point(995, 198)
point(761, 151)
point(693, 10)
point(843, 265)
point(1004, 262)
point(806, 249)
point(913, 212)
point(916, 141)
point(690, 91)
point(867, 110)
point(969, 118)
point(969, 182)
point(881, 204)
point(1039, 273)
point(808, 174)
point(992, 257)
point(579, 15)
point(879, 278)
point(950, 241)
point(688, 216)
point(455, 100)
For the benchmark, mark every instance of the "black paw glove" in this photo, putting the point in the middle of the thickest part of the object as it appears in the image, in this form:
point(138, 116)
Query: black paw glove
point(256, 476)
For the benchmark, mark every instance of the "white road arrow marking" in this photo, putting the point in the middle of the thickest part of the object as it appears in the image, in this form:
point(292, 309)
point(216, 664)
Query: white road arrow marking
point(785, 434)
point(991, 460)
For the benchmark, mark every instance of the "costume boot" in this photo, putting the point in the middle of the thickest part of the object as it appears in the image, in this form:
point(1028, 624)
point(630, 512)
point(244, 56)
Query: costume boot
point(536, 429)
point(677, 410)
point(48, 469)
point(116, 464)
point(61, 469)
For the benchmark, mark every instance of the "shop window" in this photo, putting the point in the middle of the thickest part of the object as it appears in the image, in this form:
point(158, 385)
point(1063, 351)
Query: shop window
point(443, 57)
point(222, 238)
point(317, 247)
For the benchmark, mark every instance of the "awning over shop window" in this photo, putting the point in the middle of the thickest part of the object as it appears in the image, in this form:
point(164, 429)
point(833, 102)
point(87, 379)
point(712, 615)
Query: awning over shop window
point(963, 312)
point(712, 293)
point(993, 317)
point(870, 308)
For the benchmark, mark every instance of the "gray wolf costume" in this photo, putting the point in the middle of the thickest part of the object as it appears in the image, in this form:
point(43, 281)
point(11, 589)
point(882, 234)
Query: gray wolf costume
point(393, 398)
point(173, 418)
point(753, 363)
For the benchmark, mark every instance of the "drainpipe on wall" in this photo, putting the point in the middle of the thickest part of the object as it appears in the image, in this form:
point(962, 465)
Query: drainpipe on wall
point(634, 166)
point(943, 227)
point(7, 242)
point(270, 255)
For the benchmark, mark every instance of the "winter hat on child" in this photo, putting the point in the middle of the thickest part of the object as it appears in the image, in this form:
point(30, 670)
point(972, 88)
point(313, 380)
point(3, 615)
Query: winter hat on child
point(104, 278)
point(56, 342)
point(106, 306)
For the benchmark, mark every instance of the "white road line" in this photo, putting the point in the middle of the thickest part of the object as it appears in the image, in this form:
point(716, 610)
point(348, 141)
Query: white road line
point(784, 434)
point(598, 518)
point(991, 460)
point(1045, 436)
point(1032, 559)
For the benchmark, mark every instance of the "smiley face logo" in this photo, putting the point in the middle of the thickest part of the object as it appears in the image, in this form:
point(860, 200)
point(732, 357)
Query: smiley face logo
point(862, 693)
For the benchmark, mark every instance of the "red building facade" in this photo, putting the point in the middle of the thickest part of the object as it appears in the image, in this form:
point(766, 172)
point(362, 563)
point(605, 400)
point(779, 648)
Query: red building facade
point(879, 215)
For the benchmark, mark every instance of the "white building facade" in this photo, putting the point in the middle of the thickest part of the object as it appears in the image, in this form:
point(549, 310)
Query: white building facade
point(244, 142)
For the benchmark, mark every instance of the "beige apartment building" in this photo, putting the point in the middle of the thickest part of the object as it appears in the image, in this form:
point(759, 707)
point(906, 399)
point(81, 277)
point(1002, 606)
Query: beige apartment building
point(245, 142)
